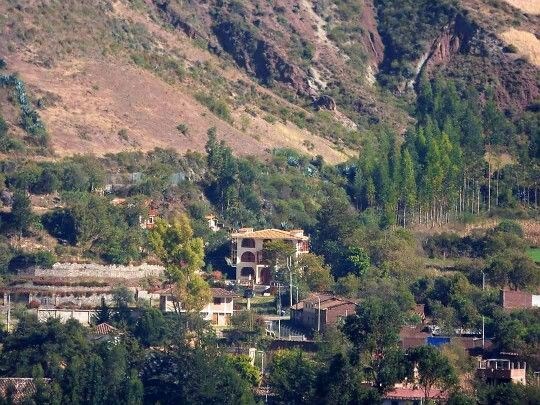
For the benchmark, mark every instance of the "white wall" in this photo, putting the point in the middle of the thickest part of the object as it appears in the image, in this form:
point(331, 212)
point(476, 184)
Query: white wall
point(224, 310)
point(82, 315)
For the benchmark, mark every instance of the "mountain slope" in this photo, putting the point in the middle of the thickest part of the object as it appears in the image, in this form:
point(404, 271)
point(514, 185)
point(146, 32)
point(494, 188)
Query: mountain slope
point(315, 76)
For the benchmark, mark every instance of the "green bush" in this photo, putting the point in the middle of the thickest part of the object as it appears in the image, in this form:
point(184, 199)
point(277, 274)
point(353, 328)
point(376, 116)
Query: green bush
point(182, 128)
point(41, 258)
point(216, 105)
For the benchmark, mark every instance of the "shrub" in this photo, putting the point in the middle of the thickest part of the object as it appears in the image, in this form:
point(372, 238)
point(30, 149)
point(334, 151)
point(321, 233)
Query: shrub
point(42, 258)
point(216, 105)
point(123, 134)
point(510, 48)
point(182, 128)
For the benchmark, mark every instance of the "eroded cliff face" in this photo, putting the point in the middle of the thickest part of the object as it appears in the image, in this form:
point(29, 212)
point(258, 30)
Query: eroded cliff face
point(453, 39)
point(372, 41)
point(259, 57)
point(465, 51)
point(266, 39)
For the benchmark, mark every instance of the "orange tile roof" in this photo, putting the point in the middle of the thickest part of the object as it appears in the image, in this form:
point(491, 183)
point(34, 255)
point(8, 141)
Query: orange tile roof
point(104, 329)
point(327, 301)
point(270, 234)
point(23, 387)
point(405, 393)
point(222, 293)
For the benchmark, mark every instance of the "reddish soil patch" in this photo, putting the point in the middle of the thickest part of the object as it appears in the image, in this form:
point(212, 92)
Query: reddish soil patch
point(107, 107)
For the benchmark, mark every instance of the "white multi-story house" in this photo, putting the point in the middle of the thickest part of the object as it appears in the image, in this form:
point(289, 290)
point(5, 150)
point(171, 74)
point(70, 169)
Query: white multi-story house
point(218, 311)
point(247, 252)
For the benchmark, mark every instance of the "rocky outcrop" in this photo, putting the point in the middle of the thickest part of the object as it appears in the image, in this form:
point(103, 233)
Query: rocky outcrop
point(324, 102)
point(466, 51)
point(173, 17)
point(258, 57)
point(372, 40)
point(453, 39)
point(514, 80)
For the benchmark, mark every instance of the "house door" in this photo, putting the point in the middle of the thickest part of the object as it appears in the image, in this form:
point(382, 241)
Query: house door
point(266, 276)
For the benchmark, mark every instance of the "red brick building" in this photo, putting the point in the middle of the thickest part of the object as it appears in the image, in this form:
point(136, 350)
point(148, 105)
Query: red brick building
point(519, 299)
point(319, 311)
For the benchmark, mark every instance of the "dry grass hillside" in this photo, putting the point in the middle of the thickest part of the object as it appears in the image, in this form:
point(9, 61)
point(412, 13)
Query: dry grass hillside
point(110, 107)
point(130, 81)
point(527, 44)
point(527, 6)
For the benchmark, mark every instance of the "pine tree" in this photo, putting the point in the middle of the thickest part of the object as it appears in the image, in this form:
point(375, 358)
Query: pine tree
point(21, 213)
point(407, 184)
point(424, 101)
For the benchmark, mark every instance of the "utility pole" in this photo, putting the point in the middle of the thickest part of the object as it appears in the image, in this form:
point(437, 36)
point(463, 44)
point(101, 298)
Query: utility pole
point(279, 299)
point(289, 267)
point(319, 317)
point(489, 184)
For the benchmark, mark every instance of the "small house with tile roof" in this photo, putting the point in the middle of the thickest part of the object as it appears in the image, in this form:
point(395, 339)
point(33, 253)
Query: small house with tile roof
point(247, 252)
point(319, 311)
point(405, 395)
point(104, 332)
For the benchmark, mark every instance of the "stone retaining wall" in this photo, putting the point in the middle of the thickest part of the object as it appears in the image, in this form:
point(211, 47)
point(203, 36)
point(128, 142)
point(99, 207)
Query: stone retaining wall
point(92, 270)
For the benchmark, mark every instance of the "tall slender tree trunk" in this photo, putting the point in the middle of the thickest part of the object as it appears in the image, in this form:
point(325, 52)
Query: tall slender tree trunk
point(497, 192)
point(478, 200)
point(489, 186)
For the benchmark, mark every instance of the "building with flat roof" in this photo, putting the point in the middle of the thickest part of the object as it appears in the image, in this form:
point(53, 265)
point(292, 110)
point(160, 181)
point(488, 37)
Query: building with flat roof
point(502, 371)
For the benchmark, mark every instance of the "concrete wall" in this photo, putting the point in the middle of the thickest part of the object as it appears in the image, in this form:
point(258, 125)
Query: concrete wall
point(95, 270)
point(82, 315)
point(90, 299)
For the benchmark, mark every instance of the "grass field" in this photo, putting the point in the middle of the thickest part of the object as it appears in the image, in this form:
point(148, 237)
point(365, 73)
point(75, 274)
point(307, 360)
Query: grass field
point(535, 254)
point(527, 6)
point(526, 43)
point(261, 305)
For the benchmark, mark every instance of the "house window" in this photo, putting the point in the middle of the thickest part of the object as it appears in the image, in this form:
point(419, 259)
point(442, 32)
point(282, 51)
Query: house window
point(248, 257)
point(247, 272)
point(217, 301)
point(248, 243)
